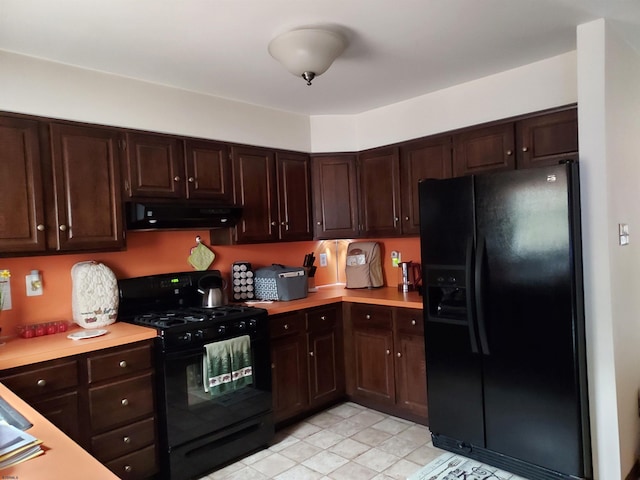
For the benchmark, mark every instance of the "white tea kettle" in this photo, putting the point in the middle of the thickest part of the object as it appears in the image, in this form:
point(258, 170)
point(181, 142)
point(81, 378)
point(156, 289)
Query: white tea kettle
point(212, 288)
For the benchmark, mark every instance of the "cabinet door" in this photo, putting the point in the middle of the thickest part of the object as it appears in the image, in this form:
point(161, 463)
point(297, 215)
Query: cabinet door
point(484, 149)
point(255, 189)
point(208, 171)
point(431, 158)
point(335, 200)
point(22, 222)
point(547, 139)
point(379, 186)
point(373, 364)
point(326, 356)
point(62, 411)
point(411, 372)
point(154, 166)
point(86, 187)
point(289, 376)
point(294, 196)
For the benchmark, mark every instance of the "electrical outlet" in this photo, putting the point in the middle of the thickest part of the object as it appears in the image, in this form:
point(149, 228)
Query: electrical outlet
point(323, 259)
point(396, 258)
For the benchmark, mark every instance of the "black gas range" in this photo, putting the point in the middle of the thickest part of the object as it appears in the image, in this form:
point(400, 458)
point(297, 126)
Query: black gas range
point(200, 431)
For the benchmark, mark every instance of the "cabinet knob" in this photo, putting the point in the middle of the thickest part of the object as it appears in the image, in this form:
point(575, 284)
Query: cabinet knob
point(367, 316)
point(273, 224)
point(318, 223)
point(124, 402)
point(41, 383)
point(398, 354)
point(406, 219)
point(311, 354)
point(123, 364)
point(509, 153)
point(286, 326)
point(40, 227)
point(388, 352)
point(176, 178)
point(323, 318)
point(525, 149)
point(191, 179)
point(284, 224)
point(126, 439)
point(413, 322)
point(127, 468)
point(62, 228)
point(273, 366)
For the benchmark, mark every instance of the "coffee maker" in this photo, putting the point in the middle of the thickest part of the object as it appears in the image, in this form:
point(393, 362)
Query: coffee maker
point(409, 276)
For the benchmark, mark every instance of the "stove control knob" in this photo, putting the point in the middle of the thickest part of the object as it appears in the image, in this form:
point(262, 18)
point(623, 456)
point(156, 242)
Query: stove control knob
point(242, 325)
point(253, 323)
point(198, 334)
point(222, 329)
point(185, 338)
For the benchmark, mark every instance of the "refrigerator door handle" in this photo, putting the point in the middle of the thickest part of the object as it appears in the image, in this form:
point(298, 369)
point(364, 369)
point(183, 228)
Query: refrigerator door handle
point(479, 295)
point(471, 321)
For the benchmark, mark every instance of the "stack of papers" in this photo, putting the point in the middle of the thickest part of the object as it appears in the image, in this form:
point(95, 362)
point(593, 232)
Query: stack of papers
point(17, 446)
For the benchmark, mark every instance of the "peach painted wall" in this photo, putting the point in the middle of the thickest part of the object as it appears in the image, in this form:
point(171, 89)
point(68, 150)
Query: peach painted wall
point(160, 252)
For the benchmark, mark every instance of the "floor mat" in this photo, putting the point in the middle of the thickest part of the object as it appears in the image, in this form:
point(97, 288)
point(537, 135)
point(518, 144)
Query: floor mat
point(450, 466)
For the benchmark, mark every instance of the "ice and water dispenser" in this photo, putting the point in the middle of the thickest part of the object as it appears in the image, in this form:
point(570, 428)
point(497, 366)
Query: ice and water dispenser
point(447, 294)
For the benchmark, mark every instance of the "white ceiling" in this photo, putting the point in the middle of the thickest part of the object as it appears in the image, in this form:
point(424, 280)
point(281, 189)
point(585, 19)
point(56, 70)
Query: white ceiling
point(398, 49)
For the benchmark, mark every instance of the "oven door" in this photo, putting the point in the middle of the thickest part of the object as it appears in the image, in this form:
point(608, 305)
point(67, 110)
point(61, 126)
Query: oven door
point(191, 413)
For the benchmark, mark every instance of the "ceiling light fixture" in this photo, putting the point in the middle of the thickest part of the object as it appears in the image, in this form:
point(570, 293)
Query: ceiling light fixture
point(307, 52)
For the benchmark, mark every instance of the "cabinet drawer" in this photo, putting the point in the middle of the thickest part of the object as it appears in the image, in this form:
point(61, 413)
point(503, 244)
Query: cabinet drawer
point(122, 441)
point(136, 465)
point(122, 362)
point(321, 319)
point(371, 316)
point(51, 378)
point(120, 402)
point(409, 321)
point(286, 325)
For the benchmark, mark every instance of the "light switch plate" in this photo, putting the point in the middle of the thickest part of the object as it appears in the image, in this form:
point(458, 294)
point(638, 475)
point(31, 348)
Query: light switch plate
point(623, 234)
point(323, 259)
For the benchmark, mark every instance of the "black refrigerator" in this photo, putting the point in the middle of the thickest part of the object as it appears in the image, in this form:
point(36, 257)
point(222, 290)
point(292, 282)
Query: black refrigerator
point(504, 320)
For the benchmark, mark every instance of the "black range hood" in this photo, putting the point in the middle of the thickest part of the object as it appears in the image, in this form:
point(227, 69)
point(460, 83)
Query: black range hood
point(174, 216)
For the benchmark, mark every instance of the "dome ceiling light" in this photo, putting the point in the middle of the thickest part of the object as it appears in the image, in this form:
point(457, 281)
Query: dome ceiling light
point(307, 52)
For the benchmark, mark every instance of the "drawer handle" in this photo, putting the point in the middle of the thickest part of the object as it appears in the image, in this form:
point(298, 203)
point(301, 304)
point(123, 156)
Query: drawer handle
point(413, 322)
point(323, 318)
point(123, 364)
point(367, 316)
point(286, 326)
point(41, 383)
point(124, 402)
point(127, 468)
point(126, 439)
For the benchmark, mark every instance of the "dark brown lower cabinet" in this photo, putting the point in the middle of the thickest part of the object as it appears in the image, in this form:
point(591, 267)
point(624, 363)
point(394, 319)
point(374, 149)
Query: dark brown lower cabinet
point(386, 367)
point(103, 400)
point(307, 361)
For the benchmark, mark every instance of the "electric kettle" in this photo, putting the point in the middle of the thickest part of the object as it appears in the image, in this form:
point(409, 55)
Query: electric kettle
point(410, 274)
point(212, 288)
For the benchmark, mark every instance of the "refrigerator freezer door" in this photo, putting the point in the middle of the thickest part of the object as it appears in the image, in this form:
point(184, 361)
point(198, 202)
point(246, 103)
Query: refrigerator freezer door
point(531, 386)
point(454, 376)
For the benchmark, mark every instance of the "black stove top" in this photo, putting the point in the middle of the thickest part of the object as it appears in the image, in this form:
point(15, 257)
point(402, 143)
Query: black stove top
point(195, 316)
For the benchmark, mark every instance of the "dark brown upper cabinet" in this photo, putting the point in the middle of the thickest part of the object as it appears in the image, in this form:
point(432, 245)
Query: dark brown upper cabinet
point(335, 196)
point(208, 171)
point(256, 190)
point(86, 207)
point(22, 220)
point(486, 149)
point(294, 196)
point(428, 158)
point(379, 188)
point(154, 166)
point(547, 139)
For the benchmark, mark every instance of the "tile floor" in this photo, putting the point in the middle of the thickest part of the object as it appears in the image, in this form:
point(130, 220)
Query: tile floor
point(346, 442)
